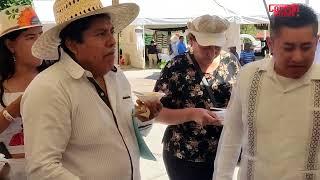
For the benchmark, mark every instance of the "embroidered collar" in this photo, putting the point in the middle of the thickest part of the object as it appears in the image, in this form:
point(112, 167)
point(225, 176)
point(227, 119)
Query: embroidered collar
point(312, 74)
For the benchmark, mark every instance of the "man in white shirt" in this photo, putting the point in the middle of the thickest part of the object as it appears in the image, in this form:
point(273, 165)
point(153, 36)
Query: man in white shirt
point(274, 111)
point(77, 114)
point(317, 54)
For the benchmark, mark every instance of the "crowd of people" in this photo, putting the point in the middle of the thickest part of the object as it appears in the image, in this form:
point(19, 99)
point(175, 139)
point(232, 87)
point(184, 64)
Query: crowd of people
point(75, 119)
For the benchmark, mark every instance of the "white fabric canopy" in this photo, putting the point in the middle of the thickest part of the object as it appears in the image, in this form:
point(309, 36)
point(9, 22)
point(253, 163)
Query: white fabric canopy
point(164, 12)
point(251, 8)
point(156, 12)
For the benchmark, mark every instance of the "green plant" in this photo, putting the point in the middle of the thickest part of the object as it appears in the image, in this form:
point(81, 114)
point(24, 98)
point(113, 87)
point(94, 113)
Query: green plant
point(4, 4)
point(248, 29)
point(162, 64)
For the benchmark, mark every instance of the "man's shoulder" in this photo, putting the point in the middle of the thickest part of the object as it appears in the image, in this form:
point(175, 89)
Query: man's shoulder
point(249, 69)
point(50, 77)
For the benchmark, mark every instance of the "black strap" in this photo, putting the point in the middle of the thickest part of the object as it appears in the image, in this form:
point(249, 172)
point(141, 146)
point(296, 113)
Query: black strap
point(204, 79)
point(105, 99)
point(101, 94)
point(1, 94)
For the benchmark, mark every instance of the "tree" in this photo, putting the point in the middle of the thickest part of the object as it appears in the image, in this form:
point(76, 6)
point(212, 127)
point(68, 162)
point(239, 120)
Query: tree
point(248, 29)
point(9, 3)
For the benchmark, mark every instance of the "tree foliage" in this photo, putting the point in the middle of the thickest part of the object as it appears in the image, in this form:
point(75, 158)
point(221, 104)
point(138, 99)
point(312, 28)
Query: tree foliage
point(248, 29)
point(9, 3)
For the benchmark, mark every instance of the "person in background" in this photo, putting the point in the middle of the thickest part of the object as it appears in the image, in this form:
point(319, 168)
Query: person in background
point(78, 113)
point(152, 52)
point(233, 50)
point(19, 29)
point(181, 46)
point(173, 45)
point(273, 114)
point(247, 55)
point(191, 138)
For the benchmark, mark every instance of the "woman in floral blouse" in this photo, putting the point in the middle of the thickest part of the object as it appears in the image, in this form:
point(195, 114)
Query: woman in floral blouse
point(191, 139)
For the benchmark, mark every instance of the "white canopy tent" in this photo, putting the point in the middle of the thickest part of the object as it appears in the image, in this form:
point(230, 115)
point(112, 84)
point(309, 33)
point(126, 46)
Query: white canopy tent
point(153, 12)
point(180, 11)
point(176, 13)
point(165, 13)
point(253, 8)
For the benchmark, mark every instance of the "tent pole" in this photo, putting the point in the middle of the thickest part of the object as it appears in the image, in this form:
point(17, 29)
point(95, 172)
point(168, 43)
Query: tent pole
point(267, 9)
point(144, 47)
point(307, 2)
point(117, 60)
point(115, 2)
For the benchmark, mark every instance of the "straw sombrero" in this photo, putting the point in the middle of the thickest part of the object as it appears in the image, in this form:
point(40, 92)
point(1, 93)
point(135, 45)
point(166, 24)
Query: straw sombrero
point(17, 17)
point(67, 11)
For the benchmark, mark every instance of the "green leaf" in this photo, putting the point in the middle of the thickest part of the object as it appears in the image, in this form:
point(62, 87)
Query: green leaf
point(4, 4)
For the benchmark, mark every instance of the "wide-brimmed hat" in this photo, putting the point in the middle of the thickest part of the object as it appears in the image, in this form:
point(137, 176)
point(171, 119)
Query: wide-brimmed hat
point(209, 30)
point(17, 18)
point(67, 11)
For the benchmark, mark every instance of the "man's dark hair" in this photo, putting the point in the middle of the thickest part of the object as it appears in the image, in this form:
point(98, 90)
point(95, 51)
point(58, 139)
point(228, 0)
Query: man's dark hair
point(74, 31)
point(304, 17)
point(181, 37)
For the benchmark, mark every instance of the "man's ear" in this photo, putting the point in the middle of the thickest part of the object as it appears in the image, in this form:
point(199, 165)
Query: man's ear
point(191, 41)
point(10, 44)
point(270, 43)
point(72, 46)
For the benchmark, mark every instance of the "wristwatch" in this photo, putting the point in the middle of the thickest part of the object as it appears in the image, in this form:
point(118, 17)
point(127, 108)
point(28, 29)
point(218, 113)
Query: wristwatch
point(7, 116)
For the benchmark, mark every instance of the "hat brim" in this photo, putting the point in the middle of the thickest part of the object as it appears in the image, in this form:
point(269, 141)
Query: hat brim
point(46, 46)
point(209, 39)
point(20, 28)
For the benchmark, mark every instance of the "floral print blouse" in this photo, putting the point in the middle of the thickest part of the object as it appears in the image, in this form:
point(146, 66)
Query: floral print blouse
point(183, 87)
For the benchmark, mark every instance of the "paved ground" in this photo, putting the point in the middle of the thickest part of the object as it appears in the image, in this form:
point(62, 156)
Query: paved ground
point(143, 81)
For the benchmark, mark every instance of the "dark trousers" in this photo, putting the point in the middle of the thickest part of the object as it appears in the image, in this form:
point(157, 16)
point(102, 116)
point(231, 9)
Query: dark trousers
point(179, 169)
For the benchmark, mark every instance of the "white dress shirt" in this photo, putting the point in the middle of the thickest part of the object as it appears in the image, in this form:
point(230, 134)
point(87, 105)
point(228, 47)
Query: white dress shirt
point(276, 121)
point(70, 133)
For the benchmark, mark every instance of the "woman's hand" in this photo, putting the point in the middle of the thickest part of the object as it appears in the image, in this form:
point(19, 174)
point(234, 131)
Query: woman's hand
point(14, 110)
point(147, 110)
point(204, 117)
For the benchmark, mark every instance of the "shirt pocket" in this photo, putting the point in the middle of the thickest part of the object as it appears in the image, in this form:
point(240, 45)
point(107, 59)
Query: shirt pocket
point(126, 107)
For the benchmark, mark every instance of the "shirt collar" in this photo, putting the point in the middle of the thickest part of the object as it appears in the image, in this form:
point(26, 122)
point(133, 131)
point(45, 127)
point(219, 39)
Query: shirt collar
point(312, 74)
point(74, 69)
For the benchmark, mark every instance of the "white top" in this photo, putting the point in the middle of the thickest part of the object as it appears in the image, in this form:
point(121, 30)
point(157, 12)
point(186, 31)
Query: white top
point(277, 125)
point(317, 54)
point(70, 133)
point(12, 137)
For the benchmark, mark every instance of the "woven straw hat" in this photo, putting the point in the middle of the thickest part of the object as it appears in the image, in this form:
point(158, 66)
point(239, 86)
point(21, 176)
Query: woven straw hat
point(16, 18)
point(209, 30)
point(67, 11)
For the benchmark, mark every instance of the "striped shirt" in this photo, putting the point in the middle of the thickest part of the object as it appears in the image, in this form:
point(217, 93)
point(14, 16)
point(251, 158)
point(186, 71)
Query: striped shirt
point(247, 57)
point(71, 133)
